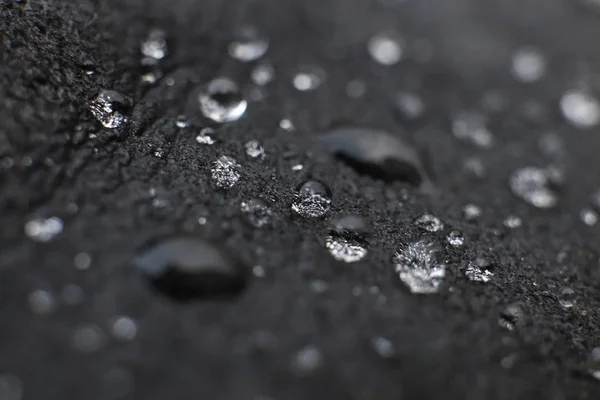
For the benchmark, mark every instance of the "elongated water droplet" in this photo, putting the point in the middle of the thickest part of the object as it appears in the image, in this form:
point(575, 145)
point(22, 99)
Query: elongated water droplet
point(248, 44)
point(471, 212)
point(308, 78)
point(312, 199)
point(257, 211)
point(512, 222)
point(222, 101)
point(420, 267)
point(429, 222)
point(382, 346)
point(110, 108)
point(410, 104)
point(511, 316)
point(225, 172)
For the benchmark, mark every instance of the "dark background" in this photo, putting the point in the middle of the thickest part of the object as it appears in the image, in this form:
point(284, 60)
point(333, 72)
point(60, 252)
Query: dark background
point(448, 345)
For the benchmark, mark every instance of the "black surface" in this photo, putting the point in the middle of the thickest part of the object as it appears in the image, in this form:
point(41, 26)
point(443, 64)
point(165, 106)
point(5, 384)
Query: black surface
point(448, 346)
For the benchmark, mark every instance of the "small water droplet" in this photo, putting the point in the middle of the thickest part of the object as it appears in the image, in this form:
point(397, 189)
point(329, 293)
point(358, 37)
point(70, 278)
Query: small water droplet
point(528, 65)
point(155, 44)
point(308, 78)
point(259, 271)
point(376, 153)
point(206, 136)
point(512, 222)
point(567, 297)
point(471, 212)
point(429, 222)
point(43, 230)
point(225, 172)
point(248, 44)
point(307, 360)
point(150, 72)
point(385, 49)
point(532, 184)
point(410, 104)
point(471, 127)
point(594, 363)
point(455, 238)
point(355, 89)
point(382, 346)
point(222, 101)
point(254, 149)
point(124, 328)
point(72, 295)
point(11, 387)
point(478, 270)
point(286, 124)
point(88, 339)
point(588, 216)
point(82, 261)
point(41, 302)
point(312, 199)
point(346, 249)
point(420, 266)
point(181, 122)
point(511, 316)
point(257, 212)
point(580, 108)
point(263, 74)
point(110, 108)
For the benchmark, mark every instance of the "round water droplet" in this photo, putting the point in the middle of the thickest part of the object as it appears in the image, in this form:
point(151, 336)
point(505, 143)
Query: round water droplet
point(307, 360)
point(188, 267)
point(385, 49)
point(512, 222)
point(124, 328)
point(225, 172)
point(580, 108)
point(82, 261)
point(43, 230)
point(312, 199)
point(410, 104)
point(594, 363)
point(532, 185)
point(455, 238)
point(248, 45)
point(567, 297)
point(41, 302)
point(382, 346)
point(429, 222)
point(286, 124)
point(471, 212)
point(478, 270)
point(181, 122)
point(308, 79)
point(155, 45)
point(110, 108)
point(420, 266)
point(263, 74)
point(471, 127)
point(254, 149)
point(376, 153)
point(257, 212)
point(528, 65)
point(346, 248)
point(222, 101)
point(206, 136)
point(588, 216)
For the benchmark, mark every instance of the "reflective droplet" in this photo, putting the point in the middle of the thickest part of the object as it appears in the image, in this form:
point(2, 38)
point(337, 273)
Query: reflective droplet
point(376, 153)
point(263, 74)
point(43, 230)
point(181, 122)
point(312, 199)
point(477, 270)
point(588, 216)
point(471, 127)
point(511, 316)
point(124, 328)
point(308, 79)
point(580, 108)
point(248, 45)
point(110, 108)
point(532, 184)
point(512, 222)
point(155, 45)
point(187, 267)
point(429, 222)
point(206, 136)
point(420, 266)
point(307, 360)
point(355, 89)
point(11, 387)
point(594, 363)
point(257, 212)
point(528, 65)
point(41, 302)
point(385, 49)
point(382, 346)
point(286, 124)
point(82, 261)
point(410, 104)
point(254, 149)
point(346, 248)
point(225, 172)
point(471, 212)
point(567, 297)
point(455, 238)
point(222, 101)
point(88, 339)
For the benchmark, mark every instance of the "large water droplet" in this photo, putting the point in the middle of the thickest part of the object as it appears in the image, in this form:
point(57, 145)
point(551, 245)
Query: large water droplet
point(528, 65)
point(347, 238)
point(155, 45)
point(110, 108)
point(471, 127)
point(225, 172)
point(420, 267)
point(385, 49)
point(429, 222)
point(248, 45)
point(478, 270)
point(43, 230)
point(312, 199)
point(222, 101)
point(532, 184)
point(189, 267)
point(376, 153)
point(257, 212)
point(580, 108)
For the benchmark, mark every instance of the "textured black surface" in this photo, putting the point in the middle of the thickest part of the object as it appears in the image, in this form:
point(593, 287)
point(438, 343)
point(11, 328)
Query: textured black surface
point(448, 345)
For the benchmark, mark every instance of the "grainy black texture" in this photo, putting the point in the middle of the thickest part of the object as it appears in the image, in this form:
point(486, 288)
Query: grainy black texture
point(448, 345)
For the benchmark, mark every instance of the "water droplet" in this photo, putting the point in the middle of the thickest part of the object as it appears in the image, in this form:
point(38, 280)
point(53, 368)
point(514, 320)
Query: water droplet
point(88, 339)
point(567, 297)
point(532, 184)
point(528, 65)
point(11, 387)
point(410, 104)
point(477, 270)
point(319, 286)
point(512, 222)
point(474, 167)
point(312, 200)
point(455, 238)
point(72, 295)
point(43, 230)
point(511, 316)
point(124, 328)
point(594, 363)
point(286, 124)
point(254, 149)
point(580, 108)
point(376, 153)
point(588, 216)
point(382, 346)
point(307, 360)
point(420, 267)
point(155, 45)
point(471, 212)
point(186, 267)
point(248, 45)
point(259, 271)
point(263, 74)
point(206, 136)
point(346, 249)
point(471, 127)
point(429, 222)
point(225, 172)
point(181, 122)
point(150, 72)
point(308, 79)
point(222, 101)
point(356, 89)
point(82, 261)
point(110, 108)
point(41, 302)
point(385, 49)
point(257, 212)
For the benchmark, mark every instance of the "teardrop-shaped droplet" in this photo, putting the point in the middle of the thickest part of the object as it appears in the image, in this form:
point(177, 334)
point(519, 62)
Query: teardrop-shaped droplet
point(110, 108)
point(188, 267)
point(222, 101)
point(312, 199)
point(420, 266)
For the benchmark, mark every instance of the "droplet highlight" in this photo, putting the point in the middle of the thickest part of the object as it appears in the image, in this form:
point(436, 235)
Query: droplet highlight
point(222, 101)
point(110, 108)
point(312, 199)
point(248, 44)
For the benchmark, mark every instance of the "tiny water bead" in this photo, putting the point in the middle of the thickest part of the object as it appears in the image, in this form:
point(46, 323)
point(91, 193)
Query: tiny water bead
point(257, 212)
point(385, 49)
point(588, 216)
point(471, 212)
point(455, 238)
point(110, 108)
point(567, 297)
point(225, 172)
point(254, 149)
point(155, 44)
point(248, 44)
point(471, 127)
point(477, 270)
point(222, 101)
point(312, 199)
point(263, 74)
point(206, 136)
point(376, 153)
point(429, 222)
point(185, 267)
point(43, 229)
point(594, 363)
point(420, 266)
point(528, 65)
point(512, 222)
point(382, 346)
point(533, 185)
point(580, 108)
point(308, 78)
